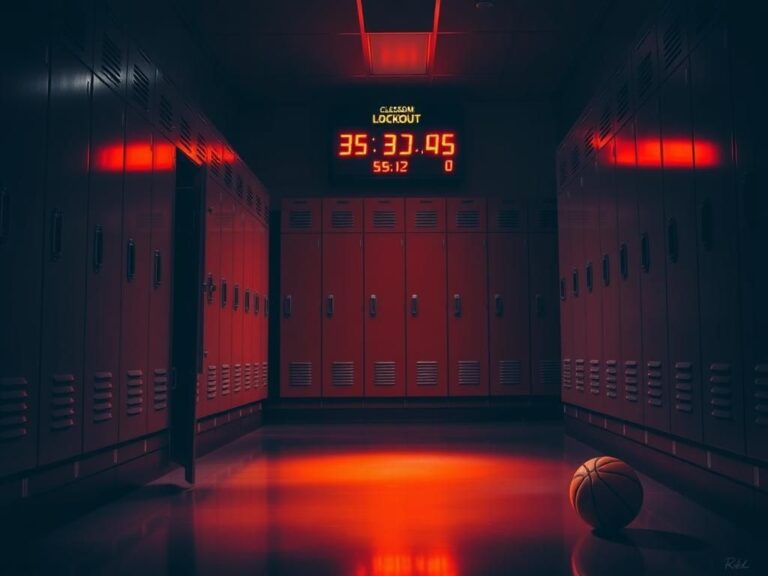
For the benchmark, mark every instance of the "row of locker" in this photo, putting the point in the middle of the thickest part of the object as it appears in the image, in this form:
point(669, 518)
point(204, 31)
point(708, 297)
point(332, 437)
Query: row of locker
point(393, 297)
point(661, 321)
point(234, 368)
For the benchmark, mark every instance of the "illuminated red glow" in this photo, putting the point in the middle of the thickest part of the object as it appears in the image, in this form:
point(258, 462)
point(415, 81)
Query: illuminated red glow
point(135, 157)
point(409, 564)
point(403, 144)
point(667, 153)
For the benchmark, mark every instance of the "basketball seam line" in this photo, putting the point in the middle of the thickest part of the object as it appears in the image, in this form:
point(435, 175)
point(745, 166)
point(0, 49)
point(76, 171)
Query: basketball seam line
point(607, 485)
point(594, 504)
point(634, 479)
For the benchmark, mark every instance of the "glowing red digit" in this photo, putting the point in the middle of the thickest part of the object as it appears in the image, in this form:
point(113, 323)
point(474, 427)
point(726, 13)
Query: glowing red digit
point(345, 145)
point(376, 166)
point(361, 145)
point(448, 165)
point(408, 150)
point(432, 144)
point(390, 144)
point(448, 143)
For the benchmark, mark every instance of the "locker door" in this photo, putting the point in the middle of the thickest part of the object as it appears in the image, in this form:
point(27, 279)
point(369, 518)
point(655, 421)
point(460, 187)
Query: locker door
point(681, 248)
point(426, 303)
point(22, 185)
point(582, 394)
point(238, 238)
point(467, 259)
point(301, 308)
point(258, 311)
point(63, 324)
point(626, 274)
point(566, 299)
point(342, 298)
point(159, 364)
point(650, 262)
point(384, 258)
point(226, 318)
point(508, 316)
point(722, 399)
point(137, 278)
point(105, 271)
point(264, 318)
point(249, 316)
point(209, 380)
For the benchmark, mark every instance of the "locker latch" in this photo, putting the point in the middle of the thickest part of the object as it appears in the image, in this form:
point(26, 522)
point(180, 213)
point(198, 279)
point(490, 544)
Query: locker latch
point(499, 304)
point(287, 306)
point(457, 305)
point(209, 287)
point(414, 305)
point(329, 306)
point(372, 306)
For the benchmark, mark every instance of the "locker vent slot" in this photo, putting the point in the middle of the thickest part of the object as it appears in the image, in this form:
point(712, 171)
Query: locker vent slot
point(300, 219)
point(342, 373)
point(605, 122)
point(631, 381)
point(299, 374)
point(226, 382)
point(567, 382)
point(341, 219)
point(579, 375)
point(655, 383)
point(265, 374)
point(383, 373)
point(575, 159)
point(166, 116)
point(256, 376)
point(469, 373)
point(134, 404)
point(249, 197)
point(721, 390)
point(549, 373)
point(645, 75)
point(684, 387)
point(62, 401)
point(508, 219)
point(384, 219)
point(228, 174)
point(510, 372)
point(426, 373)
point(185, 133)
point(111, 60)
point(761, 395)
point(546, 220)
point(237, 381)
point(160, 389)
point(468, 219)
point(589, 143)
point(259, 208)
point(426, 219)
point(215, 162)
point(594, 377)
point(210, 383)
point(611, 379)
point(239, 185)
point(102, 396)
point(201, 149)
point(672, 43)
point(247, 376)
point(622, 102)
point(140, 88)
point(14, 408)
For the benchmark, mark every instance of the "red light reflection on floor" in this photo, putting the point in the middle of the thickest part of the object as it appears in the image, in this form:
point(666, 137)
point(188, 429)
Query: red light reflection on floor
point(409, 564)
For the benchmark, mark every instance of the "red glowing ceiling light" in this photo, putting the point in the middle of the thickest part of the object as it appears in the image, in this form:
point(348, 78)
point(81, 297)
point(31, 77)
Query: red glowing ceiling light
point(399, 53)
point(165, 156)
point(110, 158)
point(138, 157)
point(668, 153)
point(134, 157)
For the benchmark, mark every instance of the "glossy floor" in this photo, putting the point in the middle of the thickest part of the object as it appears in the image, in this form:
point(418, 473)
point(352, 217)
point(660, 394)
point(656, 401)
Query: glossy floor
point(389, 500)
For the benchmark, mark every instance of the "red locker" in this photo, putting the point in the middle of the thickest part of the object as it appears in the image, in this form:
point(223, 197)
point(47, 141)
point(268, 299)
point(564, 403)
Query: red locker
point(577, 204)
point(722, 398)
point(250, 333)
point(22, 186)
point(681, 246)
point(64, 270)
point(226, 312)
point(545, 333)
point(426, 303)
point(301, 287)
point(262, 261)
point(238, 239)
point(567, 390)
point(159, 364)
point(508, 317)
point(105, 271)
point(384, 257)
point(208, 389)
point(137, 278)
point(342, 297)
point(467, 258)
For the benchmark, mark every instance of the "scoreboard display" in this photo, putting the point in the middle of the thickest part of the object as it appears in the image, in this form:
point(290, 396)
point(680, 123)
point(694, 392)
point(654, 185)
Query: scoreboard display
point(397, 142)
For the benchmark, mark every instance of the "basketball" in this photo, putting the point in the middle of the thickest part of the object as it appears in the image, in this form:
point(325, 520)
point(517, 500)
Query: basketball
point(606, 493)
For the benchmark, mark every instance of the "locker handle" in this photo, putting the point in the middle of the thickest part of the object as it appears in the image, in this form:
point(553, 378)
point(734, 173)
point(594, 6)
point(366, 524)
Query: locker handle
point(624, 261)
point(131, 260)
point(588, 278)
point(606, 270)
point(209, 287)
point(372, 305)
point(57, 226)
point(329, 301)
point(562, 289)
point(224, 295)
point(414, 305)
point(705, 223)
point(673, 243)
point(539, 306)
point(287, 306)
point(157, 268)
point(575, 282)
point(4, 214)
point(98, 247)
point(499, 305)
point(247, 302)
point(256, 304)
point(457, 305)
point(236, 297)
point(645, 252)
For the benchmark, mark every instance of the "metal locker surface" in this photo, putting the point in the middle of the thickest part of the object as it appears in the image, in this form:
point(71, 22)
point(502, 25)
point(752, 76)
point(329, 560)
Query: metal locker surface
point(681, 239)
point(250, 295)
point(466, 215)
point(424, 215)
point(301, 215)
point(717, 219)
point(22, 195)
point(567, 390)
point(238, 287)
point(582, 396)
point(342, 310)
point(66, 209)
point(545, 333)
point(102, 397)
point(225, 299)
point(342, 215)
point(650, 263)
point(263, 315)
point(160, 317)
point(137, 277)
point(508, 308)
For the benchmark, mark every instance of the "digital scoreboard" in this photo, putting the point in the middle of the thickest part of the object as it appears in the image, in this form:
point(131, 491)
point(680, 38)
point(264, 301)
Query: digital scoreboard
point(397, 142)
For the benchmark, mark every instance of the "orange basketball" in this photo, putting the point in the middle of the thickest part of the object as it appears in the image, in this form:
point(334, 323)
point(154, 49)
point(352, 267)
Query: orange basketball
point(606, 493)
